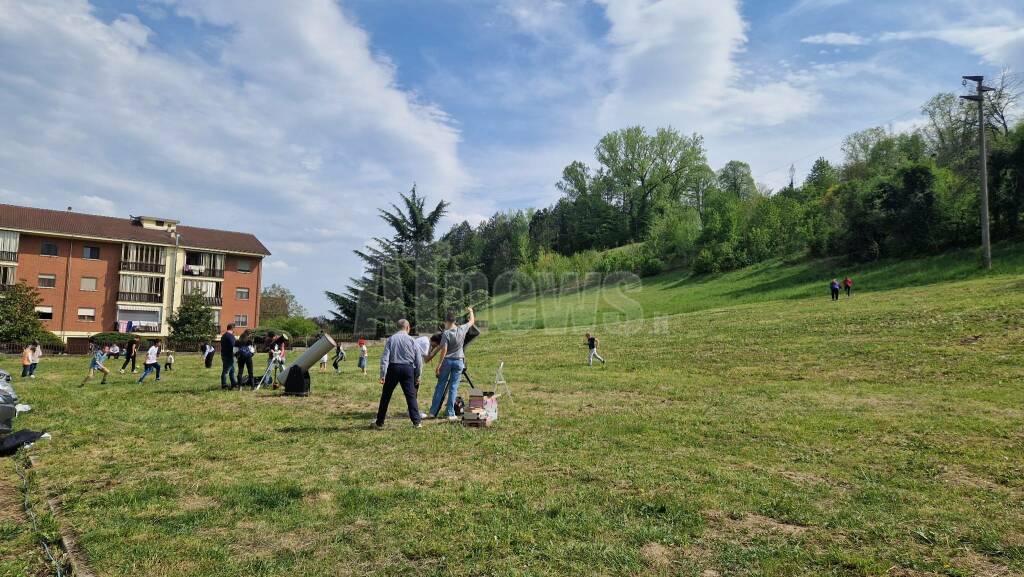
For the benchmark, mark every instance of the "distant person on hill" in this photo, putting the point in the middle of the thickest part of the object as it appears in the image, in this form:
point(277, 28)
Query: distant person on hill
point(227, 358)
point(363, 355)
point(834, 286)
point(453, 362)
point(130, 351)
point(848, 285)
point(592, 343)
point(152, 361)
point(400, 364)
point(96, 364)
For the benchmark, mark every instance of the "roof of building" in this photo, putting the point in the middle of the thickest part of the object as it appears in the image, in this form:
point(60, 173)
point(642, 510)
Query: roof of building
point(79, 224)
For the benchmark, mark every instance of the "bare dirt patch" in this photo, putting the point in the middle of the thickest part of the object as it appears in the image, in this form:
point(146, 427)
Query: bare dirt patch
point(658, 555)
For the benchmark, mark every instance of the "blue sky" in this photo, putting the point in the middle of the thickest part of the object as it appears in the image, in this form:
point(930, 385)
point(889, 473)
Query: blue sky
point(298, 120)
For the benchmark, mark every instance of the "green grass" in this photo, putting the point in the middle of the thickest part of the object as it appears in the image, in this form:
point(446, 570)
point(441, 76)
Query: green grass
point(624, 297)
point(793, 436)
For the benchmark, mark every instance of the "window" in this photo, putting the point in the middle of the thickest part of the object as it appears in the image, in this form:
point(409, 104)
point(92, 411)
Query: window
point(244, 265)
point(141, 284)
point(7, 274)
point(49, 249)
point(216, 319)
point(87, 315)
point(241, 320)
point(45, 313)
point(242, 294)
point(91, 252)
point(47, 281)
point(88, 283)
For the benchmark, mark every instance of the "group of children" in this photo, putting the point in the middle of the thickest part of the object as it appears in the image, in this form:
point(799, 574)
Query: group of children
point(102, 353)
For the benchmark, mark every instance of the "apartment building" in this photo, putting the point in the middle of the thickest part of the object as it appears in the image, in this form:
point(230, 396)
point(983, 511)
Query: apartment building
point(98, 273)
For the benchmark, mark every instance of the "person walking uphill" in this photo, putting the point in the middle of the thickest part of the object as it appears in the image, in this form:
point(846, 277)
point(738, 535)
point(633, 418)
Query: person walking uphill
point(400, 364)
point(848, 285)
point(227, 358)
point(834, 285)
point(592, 343)
point(453, 361)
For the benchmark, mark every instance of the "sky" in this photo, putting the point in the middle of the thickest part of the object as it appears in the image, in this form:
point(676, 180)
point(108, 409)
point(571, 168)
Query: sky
point(298, 121)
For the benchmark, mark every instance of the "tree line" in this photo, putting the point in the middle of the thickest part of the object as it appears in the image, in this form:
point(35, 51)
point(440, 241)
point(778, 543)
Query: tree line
point(650, 202)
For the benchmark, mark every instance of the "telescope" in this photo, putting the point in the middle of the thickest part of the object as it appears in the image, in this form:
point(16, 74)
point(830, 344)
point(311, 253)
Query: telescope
point(296, 375)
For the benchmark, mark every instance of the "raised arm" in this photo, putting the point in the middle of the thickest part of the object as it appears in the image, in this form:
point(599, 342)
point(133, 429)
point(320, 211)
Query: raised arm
point(472, 317)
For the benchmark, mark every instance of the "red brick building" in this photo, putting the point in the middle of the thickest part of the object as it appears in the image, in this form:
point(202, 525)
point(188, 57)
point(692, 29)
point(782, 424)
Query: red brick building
point(98, 273)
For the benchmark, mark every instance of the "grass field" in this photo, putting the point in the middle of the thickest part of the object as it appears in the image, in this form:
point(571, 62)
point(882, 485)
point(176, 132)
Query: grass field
point(780, 434)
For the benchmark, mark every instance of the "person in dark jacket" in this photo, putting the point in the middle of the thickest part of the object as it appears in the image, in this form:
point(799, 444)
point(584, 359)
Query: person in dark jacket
point(834, 286)
point(131, 350)
point(227, 358)
point(244, 356)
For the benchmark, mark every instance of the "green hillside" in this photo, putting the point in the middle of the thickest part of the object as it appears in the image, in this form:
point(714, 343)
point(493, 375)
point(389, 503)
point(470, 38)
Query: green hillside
point(878, 436)
point(681, 291)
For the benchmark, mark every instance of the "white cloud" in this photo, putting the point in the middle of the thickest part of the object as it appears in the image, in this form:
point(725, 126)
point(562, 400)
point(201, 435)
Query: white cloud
point(291, 124)
point(996, 45)
point(676, 63)
point(836, 39)
point(96, 204)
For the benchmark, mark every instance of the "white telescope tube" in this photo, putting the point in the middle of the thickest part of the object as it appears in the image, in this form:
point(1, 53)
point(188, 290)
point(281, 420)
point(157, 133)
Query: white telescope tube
point(314, 353)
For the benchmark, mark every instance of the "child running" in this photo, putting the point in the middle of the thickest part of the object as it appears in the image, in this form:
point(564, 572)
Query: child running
point(98, 358)
point(339, 355)
point(592, 343)
point(152, 362)
point(169, 365)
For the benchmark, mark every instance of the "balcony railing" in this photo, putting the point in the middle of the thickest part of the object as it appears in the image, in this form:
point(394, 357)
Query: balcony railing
point(147, 328)
point(140, 297)
point(5, 287)
point(212, 301)
point(8, 256)
point(142, 267)
point(191, 270)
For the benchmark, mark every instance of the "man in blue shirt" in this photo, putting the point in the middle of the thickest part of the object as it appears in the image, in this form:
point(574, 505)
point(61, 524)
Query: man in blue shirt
point(400, 364)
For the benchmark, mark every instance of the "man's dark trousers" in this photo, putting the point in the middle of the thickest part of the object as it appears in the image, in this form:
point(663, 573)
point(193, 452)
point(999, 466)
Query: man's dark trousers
point(399, 375)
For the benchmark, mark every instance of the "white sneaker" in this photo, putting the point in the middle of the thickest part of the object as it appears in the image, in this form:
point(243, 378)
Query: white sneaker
point(122, 371)
point(423, 415)
point(453, 418)
point(31, 376)
point(417, 425)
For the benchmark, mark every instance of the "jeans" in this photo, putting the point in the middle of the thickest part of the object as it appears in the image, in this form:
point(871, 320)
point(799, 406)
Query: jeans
point(32, 369)
point(447, 381)
point(228, 370)
point(149, 368)
point(243, 364)
point(25, 370)
point(404, 375)
point(128, 359)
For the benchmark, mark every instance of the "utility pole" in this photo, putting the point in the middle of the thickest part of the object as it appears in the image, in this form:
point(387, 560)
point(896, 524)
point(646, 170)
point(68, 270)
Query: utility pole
point(986, 241)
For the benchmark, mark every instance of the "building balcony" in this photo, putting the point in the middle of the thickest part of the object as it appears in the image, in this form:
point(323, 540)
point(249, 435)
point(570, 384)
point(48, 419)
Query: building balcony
point(147, 328)
point(142, 267)
point(5, 287)
point(192, 270)
point(8, 256)
point(212, 301)
point(140, 297)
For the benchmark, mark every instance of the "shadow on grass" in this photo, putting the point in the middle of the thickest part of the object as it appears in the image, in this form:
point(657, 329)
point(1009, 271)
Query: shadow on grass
point(320, 429)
